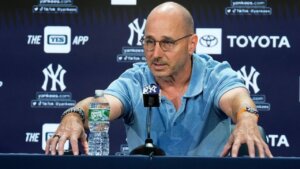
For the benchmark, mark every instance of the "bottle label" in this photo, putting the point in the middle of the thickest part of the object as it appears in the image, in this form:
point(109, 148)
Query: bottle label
point(98, 114)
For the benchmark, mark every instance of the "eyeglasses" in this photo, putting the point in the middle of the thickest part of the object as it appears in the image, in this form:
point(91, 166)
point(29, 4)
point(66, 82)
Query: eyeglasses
point(165, 44)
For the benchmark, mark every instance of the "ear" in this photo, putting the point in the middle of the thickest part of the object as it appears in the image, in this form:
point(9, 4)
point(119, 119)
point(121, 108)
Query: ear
point(193, 43)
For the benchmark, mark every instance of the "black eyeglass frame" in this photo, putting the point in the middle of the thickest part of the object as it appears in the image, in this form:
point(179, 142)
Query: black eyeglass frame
point(162, 43)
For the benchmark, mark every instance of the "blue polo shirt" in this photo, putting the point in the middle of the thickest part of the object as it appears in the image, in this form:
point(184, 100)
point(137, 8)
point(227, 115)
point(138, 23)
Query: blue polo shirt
point(198, 127)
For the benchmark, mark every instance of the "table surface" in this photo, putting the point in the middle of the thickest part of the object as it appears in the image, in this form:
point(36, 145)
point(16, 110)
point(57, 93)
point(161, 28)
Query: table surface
point(40, 161)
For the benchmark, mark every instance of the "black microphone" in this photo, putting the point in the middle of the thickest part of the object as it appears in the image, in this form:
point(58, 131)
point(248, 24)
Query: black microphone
point(151, 97)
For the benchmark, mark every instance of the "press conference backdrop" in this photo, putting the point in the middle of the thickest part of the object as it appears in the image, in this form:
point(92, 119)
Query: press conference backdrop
point(57, 52)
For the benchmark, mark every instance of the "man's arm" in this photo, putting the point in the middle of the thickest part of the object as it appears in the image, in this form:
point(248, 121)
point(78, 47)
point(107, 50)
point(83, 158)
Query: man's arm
point(72, 128)
point(246, 130)
point(114, 103)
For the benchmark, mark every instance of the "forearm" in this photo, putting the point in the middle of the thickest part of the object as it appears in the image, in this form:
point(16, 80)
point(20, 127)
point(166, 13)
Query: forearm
point(240, 103)
point(84, 105)
point(233, 103)
point(115, 108)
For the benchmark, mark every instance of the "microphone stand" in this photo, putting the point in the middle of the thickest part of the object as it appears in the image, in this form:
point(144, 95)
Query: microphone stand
point(148, 148)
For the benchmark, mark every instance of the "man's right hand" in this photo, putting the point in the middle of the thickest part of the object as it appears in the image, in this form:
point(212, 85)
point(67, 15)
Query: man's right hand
point(71, 128)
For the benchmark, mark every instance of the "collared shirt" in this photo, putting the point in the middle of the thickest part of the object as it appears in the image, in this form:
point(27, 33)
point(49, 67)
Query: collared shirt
point(198, 127)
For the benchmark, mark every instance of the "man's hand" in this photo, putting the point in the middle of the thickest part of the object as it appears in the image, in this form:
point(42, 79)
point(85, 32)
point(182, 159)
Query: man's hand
point(246, 131)
point(71, 128)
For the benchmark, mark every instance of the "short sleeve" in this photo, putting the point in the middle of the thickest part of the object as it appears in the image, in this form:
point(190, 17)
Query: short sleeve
point(224, 78)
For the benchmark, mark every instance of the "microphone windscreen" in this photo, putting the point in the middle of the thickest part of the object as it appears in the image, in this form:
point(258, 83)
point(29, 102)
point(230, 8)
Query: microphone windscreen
point(151, 95)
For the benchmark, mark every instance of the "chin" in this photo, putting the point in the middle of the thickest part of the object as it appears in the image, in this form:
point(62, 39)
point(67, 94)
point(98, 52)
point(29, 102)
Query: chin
point(160, 74)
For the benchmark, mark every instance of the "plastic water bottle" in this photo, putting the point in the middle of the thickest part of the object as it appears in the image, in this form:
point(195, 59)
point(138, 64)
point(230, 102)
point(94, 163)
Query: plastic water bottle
point(99, 110)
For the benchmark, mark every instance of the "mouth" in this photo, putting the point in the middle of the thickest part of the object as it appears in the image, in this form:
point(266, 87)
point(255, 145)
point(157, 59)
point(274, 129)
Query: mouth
point(159, 66)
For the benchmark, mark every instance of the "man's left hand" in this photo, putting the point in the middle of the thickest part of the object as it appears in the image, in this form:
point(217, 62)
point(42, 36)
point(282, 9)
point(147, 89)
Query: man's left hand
point(246, 131)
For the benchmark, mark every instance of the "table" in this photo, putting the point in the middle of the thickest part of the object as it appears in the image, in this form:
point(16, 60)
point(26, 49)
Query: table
point(40, 161)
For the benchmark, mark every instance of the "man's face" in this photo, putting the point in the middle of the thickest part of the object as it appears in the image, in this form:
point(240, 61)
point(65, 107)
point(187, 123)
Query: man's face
point(166, 63)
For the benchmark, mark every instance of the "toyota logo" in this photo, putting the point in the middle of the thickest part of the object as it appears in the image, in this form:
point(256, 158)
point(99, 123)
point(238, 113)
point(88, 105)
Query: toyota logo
point(208, 41)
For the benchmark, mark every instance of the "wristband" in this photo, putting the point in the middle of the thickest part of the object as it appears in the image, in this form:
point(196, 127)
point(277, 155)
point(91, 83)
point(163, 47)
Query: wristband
point(74, 110)
point(249, 110)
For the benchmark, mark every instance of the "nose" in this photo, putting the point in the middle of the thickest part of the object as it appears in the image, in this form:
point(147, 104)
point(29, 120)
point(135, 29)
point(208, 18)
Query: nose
point(157, 50)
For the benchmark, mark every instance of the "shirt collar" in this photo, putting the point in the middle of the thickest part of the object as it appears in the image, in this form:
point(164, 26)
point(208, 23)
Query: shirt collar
point(197, 77)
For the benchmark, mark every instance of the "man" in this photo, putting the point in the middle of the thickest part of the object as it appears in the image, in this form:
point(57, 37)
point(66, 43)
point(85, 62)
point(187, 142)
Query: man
point(198, 96)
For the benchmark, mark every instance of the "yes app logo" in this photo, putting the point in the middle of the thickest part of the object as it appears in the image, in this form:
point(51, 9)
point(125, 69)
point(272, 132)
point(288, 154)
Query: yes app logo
point(57, 39)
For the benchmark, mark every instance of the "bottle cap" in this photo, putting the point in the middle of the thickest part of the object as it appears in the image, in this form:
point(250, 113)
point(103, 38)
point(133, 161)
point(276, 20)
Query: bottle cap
point(99, 92)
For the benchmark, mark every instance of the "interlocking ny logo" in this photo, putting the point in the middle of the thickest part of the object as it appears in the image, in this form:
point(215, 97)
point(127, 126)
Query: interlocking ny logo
point(250, 79)
point(135, 28)
point(151, 89)
point(57, 77)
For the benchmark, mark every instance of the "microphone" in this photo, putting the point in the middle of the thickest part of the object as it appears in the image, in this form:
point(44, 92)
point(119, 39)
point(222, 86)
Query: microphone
point(151, 95)
point(151, 98)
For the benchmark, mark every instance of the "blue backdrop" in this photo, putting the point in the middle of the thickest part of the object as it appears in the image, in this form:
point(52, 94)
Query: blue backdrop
point(54, 53)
